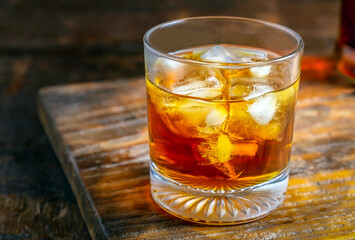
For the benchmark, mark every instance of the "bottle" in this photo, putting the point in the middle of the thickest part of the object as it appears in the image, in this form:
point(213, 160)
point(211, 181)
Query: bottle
point(346, 41)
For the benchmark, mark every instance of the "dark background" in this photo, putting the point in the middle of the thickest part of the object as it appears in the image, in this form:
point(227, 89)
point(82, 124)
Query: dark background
point(46, 42)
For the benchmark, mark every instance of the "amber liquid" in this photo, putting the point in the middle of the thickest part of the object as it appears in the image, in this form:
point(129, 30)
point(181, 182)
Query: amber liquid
point(346, 64)
point(236, 152)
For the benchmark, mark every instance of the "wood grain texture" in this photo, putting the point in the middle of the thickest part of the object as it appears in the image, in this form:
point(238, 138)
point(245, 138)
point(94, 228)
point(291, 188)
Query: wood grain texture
point(99, 133)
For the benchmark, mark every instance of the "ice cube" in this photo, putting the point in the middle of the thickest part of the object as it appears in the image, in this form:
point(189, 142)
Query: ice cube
point(167, 63)
point(166, 66)
point(208, 88)
point(198, 89)
point(257, 118)
point(195, 118)
point(237, 76)
point(204, 83)
point(185, 115)
point(224, 149)
point(216, 117)
point(258, 90)
point(216, 149)
point(263, 109)
point(220, 54)
point(224, 153)
point(248, 88)
point(167, 72)
point(260, 71)
point(242, 125)
point(256, 56)
point(240, 91)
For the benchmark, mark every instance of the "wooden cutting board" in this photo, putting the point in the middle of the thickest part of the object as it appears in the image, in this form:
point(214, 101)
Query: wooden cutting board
point(99, 133)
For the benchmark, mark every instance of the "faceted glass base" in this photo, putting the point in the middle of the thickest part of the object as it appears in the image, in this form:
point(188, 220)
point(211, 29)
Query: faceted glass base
point(237, 207)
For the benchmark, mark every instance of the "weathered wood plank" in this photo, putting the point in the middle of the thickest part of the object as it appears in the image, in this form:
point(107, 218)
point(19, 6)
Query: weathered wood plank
point(100, 136)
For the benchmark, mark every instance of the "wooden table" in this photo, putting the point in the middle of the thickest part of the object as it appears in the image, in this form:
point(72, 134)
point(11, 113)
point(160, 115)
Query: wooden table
point(65, 42)
point(99, 133)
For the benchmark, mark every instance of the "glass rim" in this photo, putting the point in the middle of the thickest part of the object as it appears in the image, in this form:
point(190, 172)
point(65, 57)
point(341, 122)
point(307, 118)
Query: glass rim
point(290, 32)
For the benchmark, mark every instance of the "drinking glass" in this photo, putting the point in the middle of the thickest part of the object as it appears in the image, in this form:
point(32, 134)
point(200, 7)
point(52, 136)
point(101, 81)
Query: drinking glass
point(221, 95)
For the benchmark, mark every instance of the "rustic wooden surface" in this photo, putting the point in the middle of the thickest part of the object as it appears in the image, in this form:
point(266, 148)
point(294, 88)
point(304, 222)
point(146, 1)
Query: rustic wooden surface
point(99, 133)
point(44, 43)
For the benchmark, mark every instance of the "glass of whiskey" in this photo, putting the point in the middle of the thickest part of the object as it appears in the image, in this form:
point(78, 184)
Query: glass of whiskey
point(221, 95)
